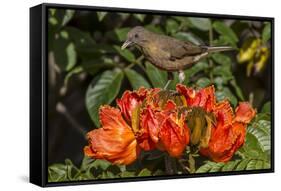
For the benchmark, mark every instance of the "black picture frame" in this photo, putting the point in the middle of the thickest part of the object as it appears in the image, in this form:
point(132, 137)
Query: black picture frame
point(39, 90)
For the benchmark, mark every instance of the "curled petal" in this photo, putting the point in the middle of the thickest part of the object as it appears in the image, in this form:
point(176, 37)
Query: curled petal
point(174, 137)
point(114, 141)
point(224, 114)
point(223, 146)
point(148, 134)
point(244, 113)
point(205, 97)
point(226, 137)
point(130, 100)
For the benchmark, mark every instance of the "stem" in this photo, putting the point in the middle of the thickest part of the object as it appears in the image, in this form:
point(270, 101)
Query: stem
point(168, 165)
point(191, 163)
point(211, 64)
point(251, 98)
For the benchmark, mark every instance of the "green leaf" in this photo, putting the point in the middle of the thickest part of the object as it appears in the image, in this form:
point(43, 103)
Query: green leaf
point(258, 141)
point(136, 80)
point(223, 71)
point(203, 82)
point(226, 31)
point(93, 66)
point(127, 174)
point(101, 15)
point(254, 165)
point(266, 107)
point(157, 77)
point(230, 165)
point(221, 59)
point(140, 17)
point(67, 16)
point(225, 93)
point(102, 164)
point(122, 33)
point(154, 28)
point(171, 26)
point(76, 70)
point(80, 38)
point(261, 131)
point(203, 24)
point(103, 91)
point(64, 52)
point(210, 166)
point(198, 67)
point(188, 37)
point(128, 55)
point(242, 164)
point(145, 172)
point(57, 172)
point(237, 89)
point(266, 33)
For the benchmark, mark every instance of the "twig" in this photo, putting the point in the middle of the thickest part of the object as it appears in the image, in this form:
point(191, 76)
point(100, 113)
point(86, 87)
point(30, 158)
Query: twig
point(211, 64)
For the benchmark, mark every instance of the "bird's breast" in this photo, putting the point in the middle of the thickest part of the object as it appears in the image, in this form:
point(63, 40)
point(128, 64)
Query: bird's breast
point(159, 58)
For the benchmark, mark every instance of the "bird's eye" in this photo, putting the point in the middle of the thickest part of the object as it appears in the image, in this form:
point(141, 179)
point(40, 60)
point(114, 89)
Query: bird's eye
point(136, 35)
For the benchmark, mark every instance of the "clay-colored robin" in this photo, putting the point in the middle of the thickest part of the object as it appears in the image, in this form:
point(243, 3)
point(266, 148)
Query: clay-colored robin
point(168, 53)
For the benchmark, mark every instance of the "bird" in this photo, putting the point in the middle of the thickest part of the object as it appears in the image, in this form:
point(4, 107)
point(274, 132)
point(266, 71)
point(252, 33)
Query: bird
point(168, 53)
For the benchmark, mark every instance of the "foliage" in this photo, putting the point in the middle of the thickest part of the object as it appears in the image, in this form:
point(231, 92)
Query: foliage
point(95, 51)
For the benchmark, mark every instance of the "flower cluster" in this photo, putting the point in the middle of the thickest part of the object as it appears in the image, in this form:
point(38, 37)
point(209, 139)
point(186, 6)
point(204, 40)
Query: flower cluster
point(166, 120)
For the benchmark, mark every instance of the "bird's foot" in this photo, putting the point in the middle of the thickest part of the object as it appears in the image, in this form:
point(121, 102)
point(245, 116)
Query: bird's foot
point(181, 76)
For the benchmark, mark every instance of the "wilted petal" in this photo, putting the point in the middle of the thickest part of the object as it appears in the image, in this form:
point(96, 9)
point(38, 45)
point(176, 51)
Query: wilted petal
point(130, 100)
point(244, 113)
point(114, 141)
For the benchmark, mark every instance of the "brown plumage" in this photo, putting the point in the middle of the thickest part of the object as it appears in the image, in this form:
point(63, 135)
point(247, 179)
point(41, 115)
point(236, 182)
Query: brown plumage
point(168, 53)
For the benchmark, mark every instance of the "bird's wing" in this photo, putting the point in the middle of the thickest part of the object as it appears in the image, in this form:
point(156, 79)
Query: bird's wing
point(179, 49)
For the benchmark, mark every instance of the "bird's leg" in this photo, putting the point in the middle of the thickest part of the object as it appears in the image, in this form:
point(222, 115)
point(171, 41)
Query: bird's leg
point(170, 78)
point(181, 76)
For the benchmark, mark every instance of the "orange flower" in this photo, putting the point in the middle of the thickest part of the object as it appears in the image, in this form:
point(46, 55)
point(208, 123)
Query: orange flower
point(114, 141)
point(228, 134)
point(165, 129)
point(204, 98)
point(130, 100)
point(167, 120)
point(227, 131)
point(152, 122)
point(244, 113)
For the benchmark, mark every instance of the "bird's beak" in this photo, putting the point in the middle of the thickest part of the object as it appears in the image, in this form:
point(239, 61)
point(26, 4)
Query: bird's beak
point(126, 44)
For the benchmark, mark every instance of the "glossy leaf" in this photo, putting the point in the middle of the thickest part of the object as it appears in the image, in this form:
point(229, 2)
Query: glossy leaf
point(103, 90)
point(127, 54)
point(136, 80)
point(101, 15)
point(226, 31)
point(157, 77)
point(266, 33)
point(203, 24)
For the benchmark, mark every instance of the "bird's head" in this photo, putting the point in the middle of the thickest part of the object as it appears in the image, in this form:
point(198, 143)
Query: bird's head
point(136, 36)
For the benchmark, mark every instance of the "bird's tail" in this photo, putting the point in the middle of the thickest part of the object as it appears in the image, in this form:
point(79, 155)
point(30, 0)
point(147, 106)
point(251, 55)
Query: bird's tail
point(219, 48)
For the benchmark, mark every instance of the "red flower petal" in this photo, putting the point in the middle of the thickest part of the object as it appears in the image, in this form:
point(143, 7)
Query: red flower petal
point(224, 114)
point(226, 137)
point(174, 137)
point(205, 97)
point(114, 141)
point(130, 100)
point(244, 113)
point(148, 134)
